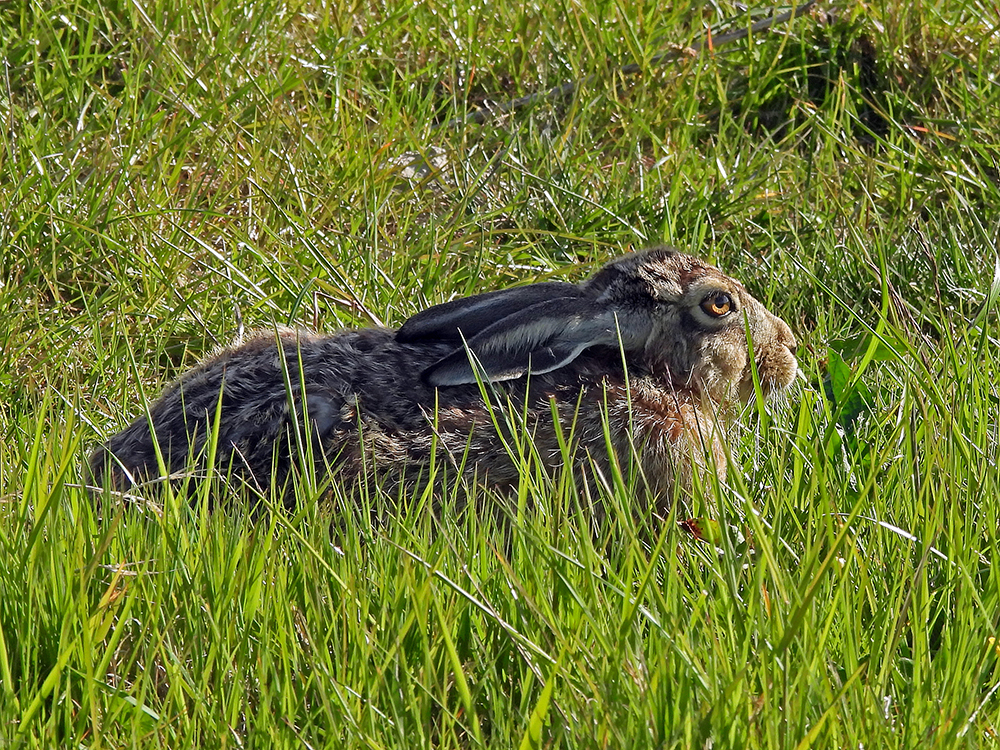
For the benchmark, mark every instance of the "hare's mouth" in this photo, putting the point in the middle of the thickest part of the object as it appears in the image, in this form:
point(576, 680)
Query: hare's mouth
point(771, 381)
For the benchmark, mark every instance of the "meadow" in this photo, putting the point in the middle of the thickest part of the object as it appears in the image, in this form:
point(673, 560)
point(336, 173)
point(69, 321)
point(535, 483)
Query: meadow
point(173, 174)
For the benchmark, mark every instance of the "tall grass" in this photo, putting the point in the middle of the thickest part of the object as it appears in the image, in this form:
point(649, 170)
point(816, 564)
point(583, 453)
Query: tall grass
point(174, 173)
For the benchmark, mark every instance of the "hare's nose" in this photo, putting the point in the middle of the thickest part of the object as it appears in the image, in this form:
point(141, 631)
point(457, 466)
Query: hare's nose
point(787, 337)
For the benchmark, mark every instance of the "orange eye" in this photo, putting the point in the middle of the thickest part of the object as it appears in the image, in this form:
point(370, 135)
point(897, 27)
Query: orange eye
point(717, 305)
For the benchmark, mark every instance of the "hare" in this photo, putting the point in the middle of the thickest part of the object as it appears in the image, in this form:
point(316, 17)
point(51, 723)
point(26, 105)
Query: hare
point(645, 364)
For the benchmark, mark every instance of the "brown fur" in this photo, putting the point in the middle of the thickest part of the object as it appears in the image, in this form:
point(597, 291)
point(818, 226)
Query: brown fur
point(373, 411)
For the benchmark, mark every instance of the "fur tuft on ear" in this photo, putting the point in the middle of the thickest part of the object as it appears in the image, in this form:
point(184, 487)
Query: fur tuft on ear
point(464, 318)
point(539, 339)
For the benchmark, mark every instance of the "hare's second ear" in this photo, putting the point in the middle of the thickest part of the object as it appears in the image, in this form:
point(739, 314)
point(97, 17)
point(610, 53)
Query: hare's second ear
point(539, 339)
point(468, 316)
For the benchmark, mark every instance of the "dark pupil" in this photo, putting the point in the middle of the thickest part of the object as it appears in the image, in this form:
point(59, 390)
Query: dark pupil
point(721, 302)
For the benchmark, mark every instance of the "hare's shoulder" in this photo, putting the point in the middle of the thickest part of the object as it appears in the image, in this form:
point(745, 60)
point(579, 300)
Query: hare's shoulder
point(634, 400)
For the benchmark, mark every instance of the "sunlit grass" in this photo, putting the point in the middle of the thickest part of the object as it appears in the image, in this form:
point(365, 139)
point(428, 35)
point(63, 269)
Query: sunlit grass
point(172, 174)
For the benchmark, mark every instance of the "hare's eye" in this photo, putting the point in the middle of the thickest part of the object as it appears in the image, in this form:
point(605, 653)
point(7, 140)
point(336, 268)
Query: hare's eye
point(718, 304)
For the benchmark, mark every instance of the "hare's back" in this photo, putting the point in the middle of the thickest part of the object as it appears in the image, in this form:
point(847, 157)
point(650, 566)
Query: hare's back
point(254, 396)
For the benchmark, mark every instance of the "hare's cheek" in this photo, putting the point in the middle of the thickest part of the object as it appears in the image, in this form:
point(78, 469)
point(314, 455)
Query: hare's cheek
point(723, 368)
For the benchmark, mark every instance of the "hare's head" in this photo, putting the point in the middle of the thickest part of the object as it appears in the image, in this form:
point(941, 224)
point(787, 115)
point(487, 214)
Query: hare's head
point(691, 322)
point(681, 319)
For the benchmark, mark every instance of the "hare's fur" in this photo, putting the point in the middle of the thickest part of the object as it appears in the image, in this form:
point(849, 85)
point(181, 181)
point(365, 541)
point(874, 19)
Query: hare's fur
point(630, 357)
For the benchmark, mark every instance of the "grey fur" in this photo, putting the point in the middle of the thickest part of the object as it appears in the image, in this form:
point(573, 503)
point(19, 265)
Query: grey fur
point(542, 337)
point(630, 348)
point(470, 315)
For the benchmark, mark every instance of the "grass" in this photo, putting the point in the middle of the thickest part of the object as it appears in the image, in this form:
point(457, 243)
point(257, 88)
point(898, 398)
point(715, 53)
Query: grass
point(171, 173)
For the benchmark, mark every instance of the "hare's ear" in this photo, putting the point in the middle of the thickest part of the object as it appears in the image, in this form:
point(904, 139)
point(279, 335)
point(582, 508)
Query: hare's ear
point(464, 318)
point(539, 339)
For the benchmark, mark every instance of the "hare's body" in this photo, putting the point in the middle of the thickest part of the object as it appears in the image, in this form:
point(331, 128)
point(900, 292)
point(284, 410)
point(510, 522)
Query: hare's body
point(648, 358)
